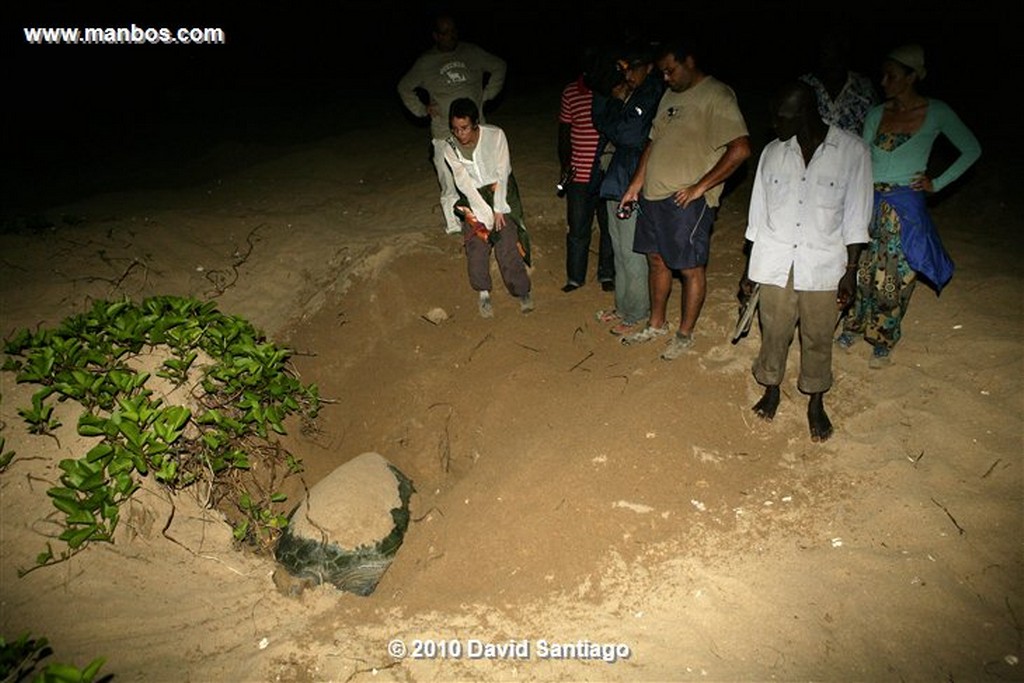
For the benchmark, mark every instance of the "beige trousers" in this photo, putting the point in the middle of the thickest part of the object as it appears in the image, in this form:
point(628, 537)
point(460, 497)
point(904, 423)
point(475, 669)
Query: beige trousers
point(783, 310)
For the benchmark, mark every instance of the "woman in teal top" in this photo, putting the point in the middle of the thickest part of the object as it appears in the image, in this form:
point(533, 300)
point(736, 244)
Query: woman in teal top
point(904, 244)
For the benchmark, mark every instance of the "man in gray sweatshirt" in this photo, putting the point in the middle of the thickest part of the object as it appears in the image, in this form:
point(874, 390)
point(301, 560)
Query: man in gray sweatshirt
point(449, 70)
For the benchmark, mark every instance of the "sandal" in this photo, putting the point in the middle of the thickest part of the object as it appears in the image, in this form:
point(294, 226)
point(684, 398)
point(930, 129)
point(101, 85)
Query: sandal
point(845, 340)
point(645, 335)
point(880, 358)
point(622, 328)
point(677, 346)
point(608, 316)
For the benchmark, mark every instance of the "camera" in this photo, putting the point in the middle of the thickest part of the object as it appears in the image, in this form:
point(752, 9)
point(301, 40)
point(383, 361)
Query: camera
point(626, 210)
point(563, 182)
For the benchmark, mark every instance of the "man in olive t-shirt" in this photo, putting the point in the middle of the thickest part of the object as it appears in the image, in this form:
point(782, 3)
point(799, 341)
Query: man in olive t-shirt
point(698, 139)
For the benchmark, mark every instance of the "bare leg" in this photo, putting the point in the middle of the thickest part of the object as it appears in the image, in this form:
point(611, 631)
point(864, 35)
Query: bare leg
point(769, 403)
point(660, 279)
point(696, 286)
point(817, 418)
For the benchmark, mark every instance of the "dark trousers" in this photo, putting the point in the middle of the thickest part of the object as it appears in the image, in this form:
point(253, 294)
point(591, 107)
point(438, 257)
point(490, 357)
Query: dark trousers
point(506, 253)
point(581, 204)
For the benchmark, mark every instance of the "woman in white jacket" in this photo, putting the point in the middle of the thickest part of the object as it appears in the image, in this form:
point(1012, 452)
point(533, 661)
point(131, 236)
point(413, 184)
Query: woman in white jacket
point(489, 205)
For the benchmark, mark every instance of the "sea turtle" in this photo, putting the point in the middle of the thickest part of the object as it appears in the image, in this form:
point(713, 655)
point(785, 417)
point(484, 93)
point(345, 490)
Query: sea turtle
point(347, 530)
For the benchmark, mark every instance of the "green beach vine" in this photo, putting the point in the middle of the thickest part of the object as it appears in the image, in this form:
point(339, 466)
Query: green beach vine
point(242, 389)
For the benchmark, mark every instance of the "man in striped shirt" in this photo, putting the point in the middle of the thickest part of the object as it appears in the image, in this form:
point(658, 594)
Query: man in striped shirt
point(577, 149)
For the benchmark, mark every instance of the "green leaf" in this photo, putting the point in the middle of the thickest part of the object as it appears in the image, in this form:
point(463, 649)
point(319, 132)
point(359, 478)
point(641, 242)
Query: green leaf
point(239, 459)
point(40, 396)
point(93, 481)
point(102, 451)
point(80, 474)
point(110, 512)
point(122, 462)
point(155, 449)
point(114, 309)
point(241, 531)
point(124, 484)
point(213, 439)
point(76, 537)
point(131, 432)
point(74, 473)
point(113, 425)
point(66, 506)
point(93, 668)
point(91, 425)
point(82, 378)
point(81, 516)
point(176, 416)
point(168, 425)
point(140, 463)
point(61, 493)
point(45, 556)
point(274, 418)
point(168, 472)
point(210, 417)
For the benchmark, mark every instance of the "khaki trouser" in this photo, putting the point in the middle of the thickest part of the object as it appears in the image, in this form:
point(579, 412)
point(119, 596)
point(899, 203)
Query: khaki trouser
point(782, 310)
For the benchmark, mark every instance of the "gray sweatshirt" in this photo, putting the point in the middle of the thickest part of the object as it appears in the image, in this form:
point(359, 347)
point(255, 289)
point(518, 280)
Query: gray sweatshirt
point(447, 76)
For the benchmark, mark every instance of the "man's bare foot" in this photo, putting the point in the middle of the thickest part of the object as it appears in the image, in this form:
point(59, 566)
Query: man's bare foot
point(769, 403)
point(817, 419)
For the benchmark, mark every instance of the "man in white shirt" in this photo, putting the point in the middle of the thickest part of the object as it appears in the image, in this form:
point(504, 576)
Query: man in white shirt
point(808, 221)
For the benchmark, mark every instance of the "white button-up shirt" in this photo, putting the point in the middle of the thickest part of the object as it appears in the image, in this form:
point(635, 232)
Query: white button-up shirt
point(802, 217)
point(490, 165)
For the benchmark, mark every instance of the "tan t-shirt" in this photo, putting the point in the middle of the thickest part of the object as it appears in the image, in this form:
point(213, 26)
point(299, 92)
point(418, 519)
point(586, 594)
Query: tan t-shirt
point(689, 135)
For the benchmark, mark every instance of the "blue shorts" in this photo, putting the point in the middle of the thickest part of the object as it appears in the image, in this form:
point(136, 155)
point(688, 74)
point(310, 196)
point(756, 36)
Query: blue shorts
point(682, 237)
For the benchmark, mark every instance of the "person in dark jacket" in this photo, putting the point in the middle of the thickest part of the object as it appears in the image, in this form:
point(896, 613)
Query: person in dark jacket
point(623, 116)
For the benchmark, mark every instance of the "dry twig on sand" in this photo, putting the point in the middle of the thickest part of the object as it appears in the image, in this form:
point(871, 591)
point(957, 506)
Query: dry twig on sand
point(444, 446)
point(480, 343)
point(582, 361)
point(221, 279)
point(951, 517)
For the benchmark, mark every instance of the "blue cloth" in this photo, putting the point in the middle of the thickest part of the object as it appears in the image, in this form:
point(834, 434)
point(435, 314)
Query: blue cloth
point(627, 125)
point(681, 236)
point(918, 236)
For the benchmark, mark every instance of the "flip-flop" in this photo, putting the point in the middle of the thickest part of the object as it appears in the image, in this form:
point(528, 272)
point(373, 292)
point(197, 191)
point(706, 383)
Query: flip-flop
point(608, 316)
point(623, 328)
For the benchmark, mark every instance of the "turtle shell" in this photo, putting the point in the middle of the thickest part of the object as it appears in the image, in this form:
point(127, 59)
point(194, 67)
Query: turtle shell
point(355, 570)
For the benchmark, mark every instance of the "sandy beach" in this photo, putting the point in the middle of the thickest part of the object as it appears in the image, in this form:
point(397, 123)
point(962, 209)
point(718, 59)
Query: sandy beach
point(569, 490)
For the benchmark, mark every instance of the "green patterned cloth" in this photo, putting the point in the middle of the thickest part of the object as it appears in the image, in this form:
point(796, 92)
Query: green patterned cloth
point(516, 215)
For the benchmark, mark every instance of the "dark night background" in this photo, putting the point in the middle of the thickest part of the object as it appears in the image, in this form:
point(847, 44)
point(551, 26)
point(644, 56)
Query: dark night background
point(298, 72)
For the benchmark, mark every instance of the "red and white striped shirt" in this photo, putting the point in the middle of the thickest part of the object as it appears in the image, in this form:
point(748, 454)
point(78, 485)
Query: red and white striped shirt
point(577, 99)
